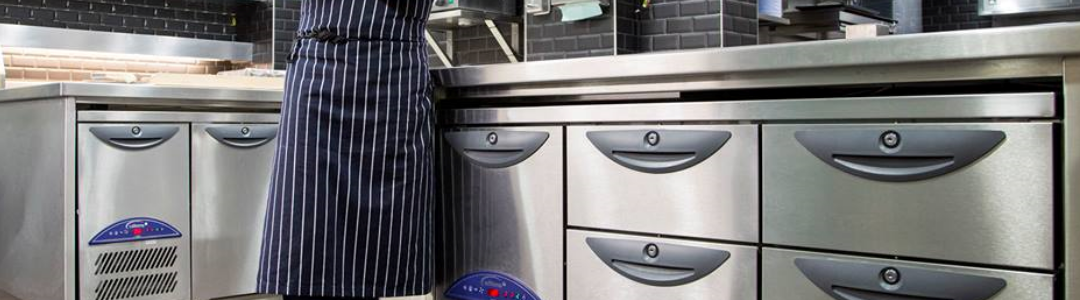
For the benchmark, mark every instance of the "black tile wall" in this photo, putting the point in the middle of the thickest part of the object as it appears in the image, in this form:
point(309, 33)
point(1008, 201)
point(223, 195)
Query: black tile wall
point(202, 19)
point(549, 38)
point(255, 23)
point(685, 24)
point(948, 15)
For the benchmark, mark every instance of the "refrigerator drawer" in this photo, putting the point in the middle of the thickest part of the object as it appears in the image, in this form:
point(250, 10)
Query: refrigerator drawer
point(979, 193)
point(693, 180)
point(231, 166)
point(133, 216)
point(499, 213)
point(788, 274)
point(615, 266)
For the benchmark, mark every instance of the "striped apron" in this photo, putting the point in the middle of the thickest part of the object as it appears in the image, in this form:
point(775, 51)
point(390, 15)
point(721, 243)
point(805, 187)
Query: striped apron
point(349, 211)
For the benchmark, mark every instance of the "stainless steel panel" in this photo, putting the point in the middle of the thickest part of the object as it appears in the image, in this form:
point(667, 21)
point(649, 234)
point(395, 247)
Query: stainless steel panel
point(1071, 172)
point(36, 207)
point(175, 116)
point(146, 95)
point(1026, 105)
point(1007, 7)
point(717, 198)
point(121, 43)
point(229, 190)
point(986, 44)
point(587, 277)
point(115, 184)
point(998, 210)
point(508, 219)
point(781, 279)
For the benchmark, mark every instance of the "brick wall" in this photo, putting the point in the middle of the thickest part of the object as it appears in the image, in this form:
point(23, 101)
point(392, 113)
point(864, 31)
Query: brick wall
point(472, 46)
point(948, 15)
point(57, 65)
point(686, 24)
point(255, 24)
point(207, 19)
point(549, 38)
point(286, 23)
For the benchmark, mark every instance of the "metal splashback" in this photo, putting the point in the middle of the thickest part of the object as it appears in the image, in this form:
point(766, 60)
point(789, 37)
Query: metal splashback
point(1009, 7)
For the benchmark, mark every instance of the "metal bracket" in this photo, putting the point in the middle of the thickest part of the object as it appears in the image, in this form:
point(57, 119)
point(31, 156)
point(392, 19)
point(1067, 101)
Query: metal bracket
point(502, 41)
point(438, 51)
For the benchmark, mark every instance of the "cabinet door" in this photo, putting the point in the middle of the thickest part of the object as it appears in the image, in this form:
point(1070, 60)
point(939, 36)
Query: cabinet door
point(134, 237)
point(231, 176)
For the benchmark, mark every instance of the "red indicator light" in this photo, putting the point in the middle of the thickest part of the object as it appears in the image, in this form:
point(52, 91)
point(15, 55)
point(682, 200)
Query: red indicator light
point(493, 292)
point(137, 231)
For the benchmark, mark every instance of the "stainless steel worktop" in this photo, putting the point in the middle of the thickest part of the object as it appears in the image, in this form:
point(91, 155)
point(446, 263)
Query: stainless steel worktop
point(971, 54)
point(145, 94)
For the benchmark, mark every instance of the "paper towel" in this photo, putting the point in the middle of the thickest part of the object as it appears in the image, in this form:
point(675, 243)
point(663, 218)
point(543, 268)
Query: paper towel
point(581, 10)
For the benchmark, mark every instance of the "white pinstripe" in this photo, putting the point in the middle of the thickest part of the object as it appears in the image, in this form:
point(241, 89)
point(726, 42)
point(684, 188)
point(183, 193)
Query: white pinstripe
point(378, 76)
point(337, 189)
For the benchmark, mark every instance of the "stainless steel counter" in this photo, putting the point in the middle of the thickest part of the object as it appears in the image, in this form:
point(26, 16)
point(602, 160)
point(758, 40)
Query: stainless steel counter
point(144, 94)
point(1017, 52)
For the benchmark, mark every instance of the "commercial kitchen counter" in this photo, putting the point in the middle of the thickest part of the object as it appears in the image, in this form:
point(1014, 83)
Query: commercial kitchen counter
point(823, 120)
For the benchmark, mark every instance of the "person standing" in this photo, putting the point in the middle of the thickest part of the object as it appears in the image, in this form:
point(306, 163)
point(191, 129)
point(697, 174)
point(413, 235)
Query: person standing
point(349, 211)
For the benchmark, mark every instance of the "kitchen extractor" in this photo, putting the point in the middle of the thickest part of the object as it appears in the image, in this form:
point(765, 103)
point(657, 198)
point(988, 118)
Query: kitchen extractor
point(499, 214)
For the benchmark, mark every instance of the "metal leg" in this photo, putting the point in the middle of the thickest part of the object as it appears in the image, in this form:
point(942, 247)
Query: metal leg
point(502, 41)
point(1072, 177)
point(438, 51)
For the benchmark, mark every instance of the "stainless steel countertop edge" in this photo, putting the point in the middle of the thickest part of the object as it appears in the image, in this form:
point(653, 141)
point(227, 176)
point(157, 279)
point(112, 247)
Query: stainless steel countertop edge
point(1010, 42)
point(137, 91)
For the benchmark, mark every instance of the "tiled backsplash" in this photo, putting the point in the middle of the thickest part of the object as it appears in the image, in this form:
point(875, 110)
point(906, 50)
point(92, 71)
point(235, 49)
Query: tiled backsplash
point(549, 38)
point(202, 19)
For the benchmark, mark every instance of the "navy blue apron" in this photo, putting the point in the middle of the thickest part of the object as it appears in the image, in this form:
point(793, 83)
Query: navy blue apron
point(349, 211)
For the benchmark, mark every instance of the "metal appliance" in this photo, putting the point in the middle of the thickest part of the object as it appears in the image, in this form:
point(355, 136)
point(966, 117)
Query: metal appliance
point(133, 183)
point(489, 6)
point(1008, 7)
point(499, 214)
point(230, 167)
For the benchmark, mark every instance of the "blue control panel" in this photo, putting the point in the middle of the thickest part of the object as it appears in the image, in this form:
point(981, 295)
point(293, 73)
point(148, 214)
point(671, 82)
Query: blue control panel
point(135, 229)
point(487, 285)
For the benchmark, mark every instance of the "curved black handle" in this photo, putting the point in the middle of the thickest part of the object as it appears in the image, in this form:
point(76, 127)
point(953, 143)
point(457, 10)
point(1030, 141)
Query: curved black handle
point(134, 136)
point(899, 155)
point(853, 280)
point(496, 149)
point(662, 265)
point(243, 136)
point(658, 151)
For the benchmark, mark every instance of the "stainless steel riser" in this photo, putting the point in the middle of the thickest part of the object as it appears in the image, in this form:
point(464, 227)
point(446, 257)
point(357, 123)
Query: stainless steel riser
point(787, 274)
point(696, 181)
point(979, 193)
point(499, 206)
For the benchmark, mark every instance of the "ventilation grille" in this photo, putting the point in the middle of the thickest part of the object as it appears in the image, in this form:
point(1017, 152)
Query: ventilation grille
point(135, 260)
point(136, 286)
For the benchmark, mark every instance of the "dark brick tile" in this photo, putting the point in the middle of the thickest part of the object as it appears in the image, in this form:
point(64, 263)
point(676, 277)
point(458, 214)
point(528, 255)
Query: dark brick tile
point(607, 40)
point(155, 24)
point(589, 42)
point(44, 14)
point(665, 10)
point(123, 9)
point(680, 25)
point(707, 23)
point(693, 8)
point(693, 41)
point(666, 42)
point(112, 20)
point(18, 12)
point(565, 44)
point(67, 16)
point(653, 27)
point(135, 22)
point(78, 5)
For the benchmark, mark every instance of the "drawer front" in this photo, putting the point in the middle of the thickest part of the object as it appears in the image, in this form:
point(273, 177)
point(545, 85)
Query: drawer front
point(787, 274)
point(979, 193)
point(694, 181)
point(614, 266)
point(499, 207)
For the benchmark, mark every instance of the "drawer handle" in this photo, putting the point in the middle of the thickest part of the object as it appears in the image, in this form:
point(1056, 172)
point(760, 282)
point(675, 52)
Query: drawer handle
point(669, 265)
point(899, 155)
point(243, 136)
point(851, 280)
point(135, 137)
point(496, 149)
point(658, 151)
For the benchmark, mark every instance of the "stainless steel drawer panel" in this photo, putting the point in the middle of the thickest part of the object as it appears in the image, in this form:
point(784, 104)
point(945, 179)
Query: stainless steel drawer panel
point(129, 172)
point(500, 207)
point(629, 273)
point(997, 209)
point(681, 190)
point(231, 169)
point(788, 274)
